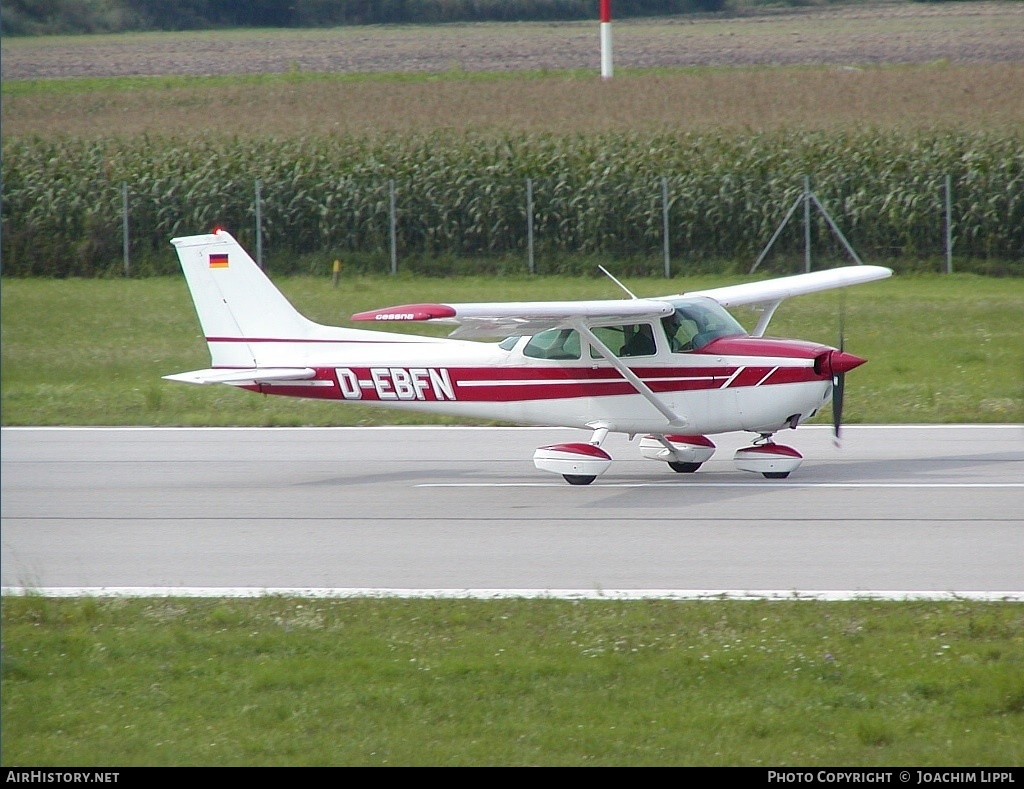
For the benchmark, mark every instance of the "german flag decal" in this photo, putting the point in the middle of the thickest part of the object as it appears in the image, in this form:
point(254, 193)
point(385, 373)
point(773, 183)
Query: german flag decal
point(218, 260)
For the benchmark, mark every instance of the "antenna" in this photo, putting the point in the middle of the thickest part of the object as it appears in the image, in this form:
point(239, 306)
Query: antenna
point(609, 275)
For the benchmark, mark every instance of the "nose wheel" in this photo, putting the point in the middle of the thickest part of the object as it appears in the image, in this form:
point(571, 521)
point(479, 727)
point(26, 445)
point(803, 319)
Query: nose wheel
point(579, 479)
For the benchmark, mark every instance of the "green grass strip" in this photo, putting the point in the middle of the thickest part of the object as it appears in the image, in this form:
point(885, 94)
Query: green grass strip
point(291, 681)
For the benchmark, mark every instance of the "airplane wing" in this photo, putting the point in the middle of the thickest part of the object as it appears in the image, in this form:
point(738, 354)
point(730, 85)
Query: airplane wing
point(502, 319)
point(775, 290)
point(769, 294)
point(255, 375)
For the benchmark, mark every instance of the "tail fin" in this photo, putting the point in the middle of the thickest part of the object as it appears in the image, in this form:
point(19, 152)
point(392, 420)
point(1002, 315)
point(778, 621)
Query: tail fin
point(234, 299)
point(253, 332)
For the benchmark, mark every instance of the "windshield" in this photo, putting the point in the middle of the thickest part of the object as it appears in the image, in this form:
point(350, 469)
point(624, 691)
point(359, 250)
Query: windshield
point(697, 322)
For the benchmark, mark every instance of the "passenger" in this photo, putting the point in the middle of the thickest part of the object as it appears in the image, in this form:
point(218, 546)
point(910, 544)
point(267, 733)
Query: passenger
point(640, 343)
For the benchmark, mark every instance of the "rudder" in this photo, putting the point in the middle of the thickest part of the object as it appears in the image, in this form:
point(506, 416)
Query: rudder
point(234, 299)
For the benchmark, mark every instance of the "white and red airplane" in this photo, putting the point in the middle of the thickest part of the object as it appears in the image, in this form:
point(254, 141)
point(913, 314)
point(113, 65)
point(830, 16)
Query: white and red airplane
point(672, 369)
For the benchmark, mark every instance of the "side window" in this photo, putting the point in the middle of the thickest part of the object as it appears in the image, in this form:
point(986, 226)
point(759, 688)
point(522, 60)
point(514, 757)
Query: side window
point(554, 344)
point(633, 339)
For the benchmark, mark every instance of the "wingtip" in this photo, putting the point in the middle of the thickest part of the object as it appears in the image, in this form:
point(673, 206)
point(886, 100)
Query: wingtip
point(407, 312)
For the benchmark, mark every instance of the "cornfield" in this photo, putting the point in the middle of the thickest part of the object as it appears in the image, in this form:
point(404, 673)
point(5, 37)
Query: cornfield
point(465, 196)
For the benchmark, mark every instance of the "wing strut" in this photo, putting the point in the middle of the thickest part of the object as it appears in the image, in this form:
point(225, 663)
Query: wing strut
point(675, 421)
point(767, 311)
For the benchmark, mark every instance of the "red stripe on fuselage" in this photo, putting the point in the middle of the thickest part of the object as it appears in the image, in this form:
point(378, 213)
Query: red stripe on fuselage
point(749, 376)
point(541, 382)
point(504, 384)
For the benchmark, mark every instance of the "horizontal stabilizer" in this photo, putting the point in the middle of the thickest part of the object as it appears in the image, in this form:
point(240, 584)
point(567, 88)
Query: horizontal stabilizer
point(254, 375)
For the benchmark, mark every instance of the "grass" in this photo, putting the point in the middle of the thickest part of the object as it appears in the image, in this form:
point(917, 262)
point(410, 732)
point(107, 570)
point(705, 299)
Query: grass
point(92, 352)
point(288, 681)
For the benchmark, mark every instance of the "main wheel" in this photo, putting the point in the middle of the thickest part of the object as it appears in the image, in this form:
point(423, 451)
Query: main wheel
point(776, 474)
point(579, 479)
point(684, 468)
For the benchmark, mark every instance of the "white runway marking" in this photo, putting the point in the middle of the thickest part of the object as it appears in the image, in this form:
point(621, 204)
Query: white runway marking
point(506, 594)
point(680, 484)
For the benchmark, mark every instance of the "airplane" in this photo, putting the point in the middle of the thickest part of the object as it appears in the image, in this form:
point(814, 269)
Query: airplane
point(672, 369)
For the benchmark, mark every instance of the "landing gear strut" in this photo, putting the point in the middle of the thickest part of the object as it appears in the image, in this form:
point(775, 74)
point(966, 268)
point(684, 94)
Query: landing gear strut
point(684, 454)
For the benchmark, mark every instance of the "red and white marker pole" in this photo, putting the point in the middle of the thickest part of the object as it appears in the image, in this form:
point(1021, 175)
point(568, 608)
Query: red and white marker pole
point(606, 39)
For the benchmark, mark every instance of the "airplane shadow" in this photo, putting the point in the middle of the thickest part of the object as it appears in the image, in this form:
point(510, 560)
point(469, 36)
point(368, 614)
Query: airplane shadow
point(719, 482)
point(645, 473)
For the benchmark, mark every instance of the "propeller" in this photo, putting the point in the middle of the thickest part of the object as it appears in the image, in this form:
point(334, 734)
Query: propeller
point(838, 385)
point(839, 377)
point(836, 362)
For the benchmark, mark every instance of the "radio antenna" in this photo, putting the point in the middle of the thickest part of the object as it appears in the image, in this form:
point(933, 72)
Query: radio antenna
point(612, 278)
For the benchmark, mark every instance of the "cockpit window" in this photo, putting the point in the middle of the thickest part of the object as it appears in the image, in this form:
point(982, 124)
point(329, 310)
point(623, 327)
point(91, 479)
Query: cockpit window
point(509, 342)
point(696, 322)
point(554, 344)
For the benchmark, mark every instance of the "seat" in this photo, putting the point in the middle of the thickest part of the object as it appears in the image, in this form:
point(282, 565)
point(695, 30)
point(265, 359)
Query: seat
point(640, 343)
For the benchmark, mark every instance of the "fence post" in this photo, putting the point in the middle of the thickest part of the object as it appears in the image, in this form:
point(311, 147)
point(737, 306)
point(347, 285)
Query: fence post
point(124, 226)
point(393, 226)
point(259, 227)
point(807, 223)
point(529, 224)
point(664, 226)
point(949, 224)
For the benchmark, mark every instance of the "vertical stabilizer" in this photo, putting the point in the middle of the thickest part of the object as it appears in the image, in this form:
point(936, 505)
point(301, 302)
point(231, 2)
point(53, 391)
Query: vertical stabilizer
point(234, 299)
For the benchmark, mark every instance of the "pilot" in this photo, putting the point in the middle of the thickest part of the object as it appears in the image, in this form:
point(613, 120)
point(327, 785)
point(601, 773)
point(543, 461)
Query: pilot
point(671, 325)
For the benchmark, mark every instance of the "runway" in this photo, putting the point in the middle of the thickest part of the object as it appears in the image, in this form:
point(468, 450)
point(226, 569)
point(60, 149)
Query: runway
point(897, 512)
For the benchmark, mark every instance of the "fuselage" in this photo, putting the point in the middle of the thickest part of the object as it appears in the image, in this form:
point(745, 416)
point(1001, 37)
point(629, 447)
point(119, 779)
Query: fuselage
point(731, 383)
